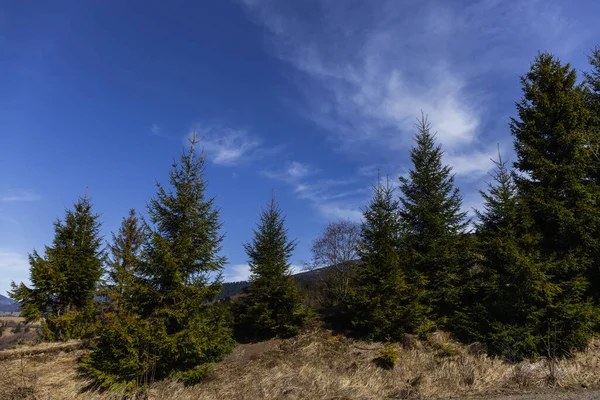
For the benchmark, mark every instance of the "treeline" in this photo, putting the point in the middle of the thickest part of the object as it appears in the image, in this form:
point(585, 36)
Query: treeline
point(523, 278)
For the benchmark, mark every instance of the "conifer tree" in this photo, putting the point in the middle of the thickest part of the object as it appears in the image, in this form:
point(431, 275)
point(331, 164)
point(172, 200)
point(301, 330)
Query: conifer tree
point(123, 261)
point(182, 274)
point(560, 202)
point(177, 330)
point(65, 278)
point(505, 311)
point(380, 301)
point(122, 358)
point(273, 306)
point(434, 244)
point(592, 83)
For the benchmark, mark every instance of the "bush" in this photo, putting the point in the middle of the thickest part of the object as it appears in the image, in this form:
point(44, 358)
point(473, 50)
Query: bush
point(388, 356)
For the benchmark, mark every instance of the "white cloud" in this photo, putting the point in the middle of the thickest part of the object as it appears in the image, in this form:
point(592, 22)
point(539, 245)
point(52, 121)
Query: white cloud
point(366, 70)
point(340, 212)
point(236, 273)
point(299, 170)
point(18, 196)
point(156, 130)
point(332, 198)
point(241, 272)
point(14, 267)
point(292, 173)
point(227, 146)
point(471, 165)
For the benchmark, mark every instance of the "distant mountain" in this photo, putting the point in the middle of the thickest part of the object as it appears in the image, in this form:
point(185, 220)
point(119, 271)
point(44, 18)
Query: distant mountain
point(305, 279)
point(7, 305)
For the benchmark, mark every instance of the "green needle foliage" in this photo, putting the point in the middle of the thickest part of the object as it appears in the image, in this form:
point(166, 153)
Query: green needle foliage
point(123, 358)
point(379, 302)
point(182, 274)
point(171, 327)
point(592, 83)
point(64, 280)
point(505, 311)
point(273, 306)
point(561, 213)
point(434, 245)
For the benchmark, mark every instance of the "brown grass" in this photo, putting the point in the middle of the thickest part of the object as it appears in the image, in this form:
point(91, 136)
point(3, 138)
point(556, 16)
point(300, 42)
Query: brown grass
point(321, 365)
point(10, 338)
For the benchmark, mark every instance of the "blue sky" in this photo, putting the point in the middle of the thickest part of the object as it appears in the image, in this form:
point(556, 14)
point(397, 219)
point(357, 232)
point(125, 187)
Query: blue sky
point(306, 98)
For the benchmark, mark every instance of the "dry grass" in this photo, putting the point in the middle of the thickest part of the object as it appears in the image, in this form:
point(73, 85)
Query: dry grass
point(10, 338)
point(320, 365)
point(12, 319)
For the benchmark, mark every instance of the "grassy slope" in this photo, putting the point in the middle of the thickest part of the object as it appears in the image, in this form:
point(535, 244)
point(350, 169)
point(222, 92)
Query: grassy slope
point(316, 365)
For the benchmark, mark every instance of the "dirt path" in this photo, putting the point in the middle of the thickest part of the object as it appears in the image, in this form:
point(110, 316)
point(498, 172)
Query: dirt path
point(556, 394)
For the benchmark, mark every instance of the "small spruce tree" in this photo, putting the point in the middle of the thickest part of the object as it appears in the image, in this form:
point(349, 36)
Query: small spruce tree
point(273, 305)
point(65, 278)
point(121, 358)
point(380, 297)
point(505, 309)
point(434, 245)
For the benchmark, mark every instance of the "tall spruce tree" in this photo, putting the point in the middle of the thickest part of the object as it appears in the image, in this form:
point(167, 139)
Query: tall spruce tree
point(434, 244)
point(592, 83)
point(183, 274)
point(177, 330)
point(273, 305)
point(65, 278)
point(381, 302)
point(559, 200)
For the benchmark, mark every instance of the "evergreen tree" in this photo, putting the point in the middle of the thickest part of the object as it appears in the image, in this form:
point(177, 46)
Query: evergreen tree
point(183, 274)
point(64, 280)
point(123, 261)
point(122, 358)
point(380, 299)
point(176, 330)
point(273, 305)
point(505, 311)
point(561, 214)
point(434, 245)
point(592, 83)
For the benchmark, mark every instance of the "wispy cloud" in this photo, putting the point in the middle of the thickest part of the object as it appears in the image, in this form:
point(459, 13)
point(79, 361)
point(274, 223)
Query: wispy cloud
point(332, 198)
point(241, 272)
point(472, 165)
point(236, 273)
point(156, 130)
point(367, 69)
point(20, 196)
point(227, 146)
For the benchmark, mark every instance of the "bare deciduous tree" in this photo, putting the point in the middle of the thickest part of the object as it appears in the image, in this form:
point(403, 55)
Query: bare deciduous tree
point(336, 248)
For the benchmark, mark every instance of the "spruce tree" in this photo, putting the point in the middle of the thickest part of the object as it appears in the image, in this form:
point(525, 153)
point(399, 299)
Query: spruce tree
point(174, 329)
point(434, 244)
point(592, 84)
point(122, 358)
point(123, 261)
point(65, 278)
point(273, 306)
point(182, 274)
point(505, 310)
point(559, 200)
point(380, 303)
